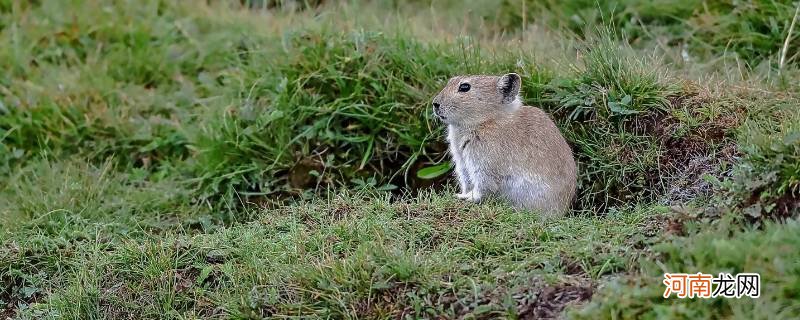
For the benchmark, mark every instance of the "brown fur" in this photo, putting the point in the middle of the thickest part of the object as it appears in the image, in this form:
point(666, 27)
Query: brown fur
point(503, 149)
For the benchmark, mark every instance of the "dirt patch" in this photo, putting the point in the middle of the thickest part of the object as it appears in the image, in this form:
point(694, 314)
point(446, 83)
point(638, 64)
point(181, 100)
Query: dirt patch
point(216, 256)
point(656, 123)
point(554, 299)
point(659, 154)
point(341, 210)
point(787, 206)
point(571, 266)
point(280, 5)
point(300, 175)
point(685, 180)
point(689, 152)
point(781, 208)
point(185, 279)
point(388, 301)
point(540, 300)
point(7, 312)
point(16, 291)
point(534, 299)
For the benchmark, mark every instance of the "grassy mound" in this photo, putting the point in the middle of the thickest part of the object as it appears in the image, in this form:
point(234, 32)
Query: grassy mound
point(244, 121)
point(354, 255)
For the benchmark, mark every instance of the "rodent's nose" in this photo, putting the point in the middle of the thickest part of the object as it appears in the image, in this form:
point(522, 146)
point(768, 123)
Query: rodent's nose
point(435, 107)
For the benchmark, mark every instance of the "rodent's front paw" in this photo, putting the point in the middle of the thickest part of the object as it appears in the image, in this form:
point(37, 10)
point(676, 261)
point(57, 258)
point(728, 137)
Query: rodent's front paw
point(464, 195)
point(473, 196)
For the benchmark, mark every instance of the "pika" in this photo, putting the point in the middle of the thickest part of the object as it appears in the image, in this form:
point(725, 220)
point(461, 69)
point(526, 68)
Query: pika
point(504, 149)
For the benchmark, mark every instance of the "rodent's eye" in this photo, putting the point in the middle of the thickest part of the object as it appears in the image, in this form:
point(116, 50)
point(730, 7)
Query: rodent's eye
point(464, 87)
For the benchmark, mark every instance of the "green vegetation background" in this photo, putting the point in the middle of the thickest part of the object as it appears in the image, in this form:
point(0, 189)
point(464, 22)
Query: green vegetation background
point(257, 159)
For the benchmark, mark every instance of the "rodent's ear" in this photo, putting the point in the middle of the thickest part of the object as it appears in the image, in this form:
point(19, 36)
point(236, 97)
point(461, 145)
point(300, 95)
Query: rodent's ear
point(508, 86)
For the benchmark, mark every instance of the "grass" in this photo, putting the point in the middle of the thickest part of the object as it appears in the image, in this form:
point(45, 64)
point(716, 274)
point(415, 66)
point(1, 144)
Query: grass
point(752, 32)
point(162, 160)
point(353, 255)
point(714, 250)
